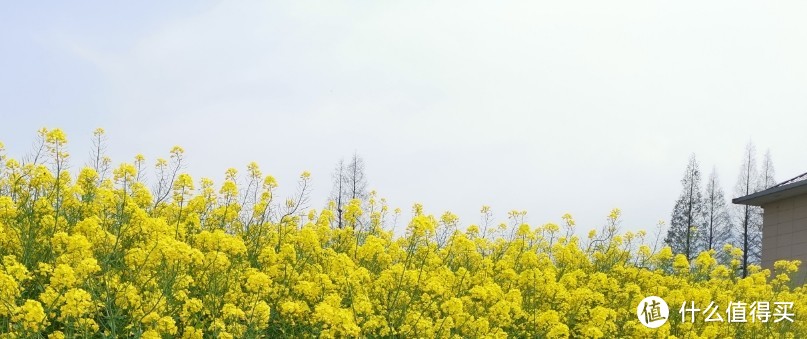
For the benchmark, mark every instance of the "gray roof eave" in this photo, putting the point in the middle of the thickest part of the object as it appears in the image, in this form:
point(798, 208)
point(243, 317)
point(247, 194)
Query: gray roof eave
point(773, 194)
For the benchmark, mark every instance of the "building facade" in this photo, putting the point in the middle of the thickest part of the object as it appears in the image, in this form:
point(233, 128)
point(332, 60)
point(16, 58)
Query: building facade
point(784, 222)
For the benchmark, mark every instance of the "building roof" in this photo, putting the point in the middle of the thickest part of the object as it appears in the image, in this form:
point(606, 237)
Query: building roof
point(786, 189)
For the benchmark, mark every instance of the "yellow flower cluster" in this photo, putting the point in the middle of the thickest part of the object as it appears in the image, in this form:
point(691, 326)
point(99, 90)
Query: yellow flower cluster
point(101, 255)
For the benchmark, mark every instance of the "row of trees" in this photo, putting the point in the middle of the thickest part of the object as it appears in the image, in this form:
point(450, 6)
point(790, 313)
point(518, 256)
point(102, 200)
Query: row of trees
point(703, 220)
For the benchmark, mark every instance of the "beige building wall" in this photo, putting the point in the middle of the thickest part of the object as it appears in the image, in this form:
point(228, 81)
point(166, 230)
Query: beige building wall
point(784, 233)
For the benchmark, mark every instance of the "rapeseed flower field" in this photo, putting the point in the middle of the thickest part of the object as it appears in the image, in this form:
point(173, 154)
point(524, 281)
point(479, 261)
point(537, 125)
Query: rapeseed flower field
point(97, 252)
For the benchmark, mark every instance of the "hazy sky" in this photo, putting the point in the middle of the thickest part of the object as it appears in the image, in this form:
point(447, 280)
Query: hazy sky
point(552, 107)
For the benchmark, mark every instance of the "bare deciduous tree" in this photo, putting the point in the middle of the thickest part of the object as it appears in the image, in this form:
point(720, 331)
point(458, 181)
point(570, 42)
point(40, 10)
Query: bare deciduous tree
point(356, 179)
point(687, 215)
point(337, 194)
point(766, 173)
point(349, 182)
point(717, 223)
point(747, 218)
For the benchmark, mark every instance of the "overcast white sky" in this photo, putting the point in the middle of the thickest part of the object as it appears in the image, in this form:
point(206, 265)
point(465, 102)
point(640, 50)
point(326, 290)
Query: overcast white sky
point(548, 106)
